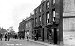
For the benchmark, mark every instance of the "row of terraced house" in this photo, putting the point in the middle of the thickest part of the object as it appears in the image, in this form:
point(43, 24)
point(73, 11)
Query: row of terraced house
point(45, 21)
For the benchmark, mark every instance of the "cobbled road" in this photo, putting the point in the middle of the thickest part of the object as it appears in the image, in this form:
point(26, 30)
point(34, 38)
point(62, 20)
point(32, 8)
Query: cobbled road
point(17, 42)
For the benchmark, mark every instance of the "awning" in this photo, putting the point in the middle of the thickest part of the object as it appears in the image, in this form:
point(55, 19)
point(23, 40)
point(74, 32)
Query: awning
point(53, 25)
point(38, 27)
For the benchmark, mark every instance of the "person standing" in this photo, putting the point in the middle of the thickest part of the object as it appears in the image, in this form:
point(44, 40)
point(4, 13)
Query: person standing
point(1, 36)
point(6, 37)
point(27, 35)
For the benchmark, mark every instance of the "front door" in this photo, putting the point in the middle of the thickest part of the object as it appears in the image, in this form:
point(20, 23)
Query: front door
point(55, 35)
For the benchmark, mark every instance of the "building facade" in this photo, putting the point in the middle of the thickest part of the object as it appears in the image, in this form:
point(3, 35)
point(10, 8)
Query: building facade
point(47, 22)
point(21, 28)
point(29, 25)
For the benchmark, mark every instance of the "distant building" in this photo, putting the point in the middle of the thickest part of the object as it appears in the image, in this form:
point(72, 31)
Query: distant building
point(29, 25)
point(21, 28)
point(2, 30)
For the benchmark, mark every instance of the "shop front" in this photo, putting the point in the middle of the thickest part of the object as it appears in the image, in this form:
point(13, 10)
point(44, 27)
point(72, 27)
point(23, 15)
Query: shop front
point(37, 33)
point(52, 33)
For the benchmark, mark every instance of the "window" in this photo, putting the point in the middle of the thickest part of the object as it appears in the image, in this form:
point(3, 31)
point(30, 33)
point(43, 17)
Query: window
point(26, 25)
point(47, 20)
point(40, 18)
point(29, 24)
point(53, 1)
point(36, 20)
point(48, 4)
point(40, 9)
point(53, 14)
point(53, 18)
point(47, 17)
point(36, 11)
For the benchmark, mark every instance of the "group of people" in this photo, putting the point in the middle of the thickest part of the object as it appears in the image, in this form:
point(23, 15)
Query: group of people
point(6, 36)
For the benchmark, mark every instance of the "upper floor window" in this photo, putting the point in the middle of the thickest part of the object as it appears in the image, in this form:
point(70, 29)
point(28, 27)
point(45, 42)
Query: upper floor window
point(53, 1)
point(40, 18)
point(40, 9)
point(53, 14)
point(48, 4)
point(47, 17)
point(36, 11)
point(29, 24)
point(26, 25)
point(36, 20)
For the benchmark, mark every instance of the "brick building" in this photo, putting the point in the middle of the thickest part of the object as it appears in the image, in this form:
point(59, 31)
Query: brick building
point(47, 22)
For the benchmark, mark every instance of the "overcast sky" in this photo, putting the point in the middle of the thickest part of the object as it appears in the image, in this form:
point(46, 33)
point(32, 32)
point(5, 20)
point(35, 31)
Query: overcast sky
point(12, 12)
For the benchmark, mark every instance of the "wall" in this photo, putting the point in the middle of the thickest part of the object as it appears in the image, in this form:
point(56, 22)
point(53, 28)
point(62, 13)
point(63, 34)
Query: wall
point(69, 23)
point(69, 10)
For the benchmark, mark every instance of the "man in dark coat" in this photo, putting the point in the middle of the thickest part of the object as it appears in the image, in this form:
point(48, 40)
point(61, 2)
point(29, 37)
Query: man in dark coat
point(1, 36)
point(6, 37)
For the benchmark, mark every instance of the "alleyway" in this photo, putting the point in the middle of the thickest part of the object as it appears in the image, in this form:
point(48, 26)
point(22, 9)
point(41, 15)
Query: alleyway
point(17, 42)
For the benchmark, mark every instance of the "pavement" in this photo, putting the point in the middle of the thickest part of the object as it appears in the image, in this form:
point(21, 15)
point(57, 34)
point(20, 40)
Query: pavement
point(68, 40)
point(43, 43)
point(18, 42)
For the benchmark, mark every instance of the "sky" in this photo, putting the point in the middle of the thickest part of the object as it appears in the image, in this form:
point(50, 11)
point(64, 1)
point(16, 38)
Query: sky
point(12, 12)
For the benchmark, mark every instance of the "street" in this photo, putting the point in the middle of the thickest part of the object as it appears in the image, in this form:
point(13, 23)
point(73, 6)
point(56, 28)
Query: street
point(17, 42)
